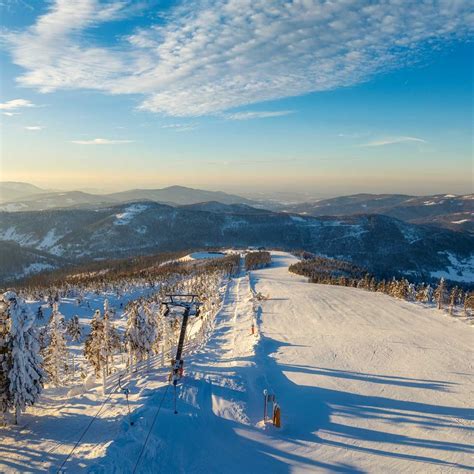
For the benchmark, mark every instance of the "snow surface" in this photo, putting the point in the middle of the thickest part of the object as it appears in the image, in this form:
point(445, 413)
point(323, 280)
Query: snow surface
point(129, 213)
point(34, 268)
point(458, 270)
point(366, 383)
point(23, 239)
point(49, 240)
point(201, 256)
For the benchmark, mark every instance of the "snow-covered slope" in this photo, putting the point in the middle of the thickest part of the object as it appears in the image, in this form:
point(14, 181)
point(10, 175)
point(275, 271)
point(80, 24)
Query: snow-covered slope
point(366, 383)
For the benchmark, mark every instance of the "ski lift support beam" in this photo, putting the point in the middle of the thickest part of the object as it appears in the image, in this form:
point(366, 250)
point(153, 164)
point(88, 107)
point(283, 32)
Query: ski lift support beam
point(188, 302)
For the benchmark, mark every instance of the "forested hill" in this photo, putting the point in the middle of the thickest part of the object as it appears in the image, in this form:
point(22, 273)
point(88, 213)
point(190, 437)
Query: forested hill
point(384, 245)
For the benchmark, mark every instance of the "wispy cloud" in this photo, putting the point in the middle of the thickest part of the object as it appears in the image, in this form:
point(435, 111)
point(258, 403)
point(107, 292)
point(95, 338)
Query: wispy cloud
point(101, 141)
point(10, 114)
point(211, 56)
point(15, 104)
point(354, 134)
point(249, 115)
point(180, 127)
point(34, 128)
point(392, 141)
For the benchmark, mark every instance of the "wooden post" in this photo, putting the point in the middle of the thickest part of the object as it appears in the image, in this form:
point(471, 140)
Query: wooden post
point(104, 380)
point(277, 416)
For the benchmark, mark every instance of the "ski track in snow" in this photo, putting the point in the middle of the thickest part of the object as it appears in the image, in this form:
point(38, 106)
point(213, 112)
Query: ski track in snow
point(366, 383)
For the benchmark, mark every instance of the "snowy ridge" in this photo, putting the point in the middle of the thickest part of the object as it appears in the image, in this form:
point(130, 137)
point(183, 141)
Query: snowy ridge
point(124, 218)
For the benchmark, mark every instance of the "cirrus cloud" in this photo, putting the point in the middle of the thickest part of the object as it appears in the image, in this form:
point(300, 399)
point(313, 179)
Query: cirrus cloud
point(393, 141)
point(250, 115)
point(211, 56)
point(100, 141)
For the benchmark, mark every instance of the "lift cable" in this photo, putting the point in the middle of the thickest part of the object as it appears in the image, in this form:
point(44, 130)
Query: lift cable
point(150, 430)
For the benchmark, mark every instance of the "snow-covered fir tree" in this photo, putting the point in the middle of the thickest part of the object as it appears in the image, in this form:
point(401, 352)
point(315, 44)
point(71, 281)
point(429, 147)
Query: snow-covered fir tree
point(141, 334)
point(5, 354)
point(55, 354)
point(21, 362)
point(440, 293)
point(427, 294)
point(453, 296)
point(93, 347)
point(111, 339)
point(74, 329)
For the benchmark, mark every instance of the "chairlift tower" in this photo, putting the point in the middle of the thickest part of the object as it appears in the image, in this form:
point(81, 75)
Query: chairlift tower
point(190, 305)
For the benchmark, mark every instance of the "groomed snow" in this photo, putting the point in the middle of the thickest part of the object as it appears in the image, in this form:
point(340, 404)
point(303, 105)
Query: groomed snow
point(366, 383)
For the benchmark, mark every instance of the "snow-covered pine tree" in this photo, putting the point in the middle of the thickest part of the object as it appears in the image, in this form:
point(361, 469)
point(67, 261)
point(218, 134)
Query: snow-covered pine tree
point(111, 340)
point(428, 294)
point(411, 293)
point(440, 293)
point(5, 355)
point(93, 347)
point(452, 299)
point(131, 335)
point(74, 329)
point(141, 334)
point(55, 353)
point(22, 364)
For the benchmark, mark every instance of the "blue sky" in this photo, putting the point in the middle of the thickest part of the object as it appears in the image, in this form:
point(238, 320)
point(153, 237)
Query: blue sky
point(327, 98)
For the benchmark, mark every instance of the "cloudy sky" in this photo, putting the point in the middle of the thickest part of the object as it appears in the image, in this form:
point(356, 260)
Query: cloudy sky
point(329, 97)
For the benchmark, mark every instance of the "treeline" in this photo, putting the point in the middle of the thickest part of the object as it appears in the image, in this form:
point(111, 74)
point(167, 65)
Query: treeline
point(137, 276)
point(260, 259)
point(320, 268)
point(329, 271)
point(95, 271)
point(31, 356)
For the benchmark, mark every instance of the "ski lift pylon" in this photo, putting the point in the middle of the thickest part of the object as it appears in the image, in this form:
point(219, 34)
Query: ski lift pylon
point(189, 302)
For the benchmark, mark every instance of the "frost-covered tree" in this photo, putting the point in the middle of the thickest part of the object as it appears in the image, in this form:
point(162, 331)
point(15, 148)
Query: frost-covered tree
point(22, 375)
point(93, 347)
point(5, 355)
point(111, 339)
point(440, 293)
point(55, 354)
point(425, 294)
point(141, 334)
point(74, 329)
point(453, 297)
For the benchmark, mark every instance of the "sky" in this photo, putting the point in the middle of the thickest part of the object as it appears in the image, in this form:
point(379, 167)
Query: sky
point(320, 97)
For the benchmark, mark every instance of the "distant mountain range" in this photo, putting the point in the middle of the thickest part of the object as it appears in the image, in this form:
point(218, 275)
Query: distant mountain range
point(12, 191)
point(16, 197)
point(443, 210)
point(383, 244)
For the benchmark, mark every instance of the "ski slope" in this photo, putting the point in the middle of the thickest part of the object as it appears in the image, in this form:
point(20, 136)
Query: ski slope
point(366, 383)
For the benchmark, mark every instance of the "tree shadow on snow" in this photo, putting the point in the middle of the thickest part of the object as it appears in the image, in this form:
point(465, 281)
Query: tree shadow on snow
point(307, 410)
